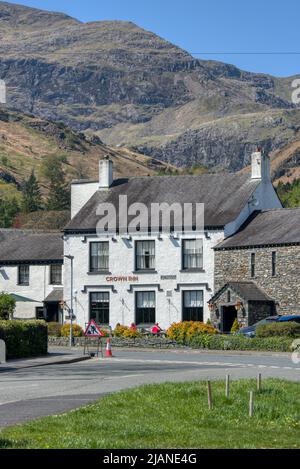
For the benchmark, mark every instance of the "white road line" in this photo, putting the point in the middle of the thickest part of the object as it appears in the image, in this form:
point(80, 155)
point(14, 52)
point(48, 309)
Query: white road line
point(123, 376)
point(202, 363)
point(8, 402)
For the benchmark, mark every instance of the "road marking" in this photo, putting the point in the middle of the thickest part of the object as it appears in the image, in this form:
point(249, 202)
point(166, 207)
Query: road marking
point(123, 376)
point(8, 402)
point(200, 363)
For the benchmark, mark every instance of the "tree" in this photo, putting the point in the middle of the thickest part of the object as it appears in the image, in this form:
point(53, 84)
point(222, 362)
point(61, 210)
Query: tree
point(7, 306)
point(8, 211)
point(32, 200)
point(59, 192)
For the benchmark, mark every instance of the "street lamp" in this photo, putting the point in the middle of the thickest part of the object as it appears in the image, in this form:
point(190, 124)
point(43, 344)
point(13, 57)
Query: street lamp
point(71, 258)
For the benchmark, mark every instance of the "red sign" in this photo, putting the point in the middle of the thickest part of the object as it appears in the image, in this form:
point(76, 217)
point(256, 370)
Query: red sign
point(93, 330)
point(120, 278)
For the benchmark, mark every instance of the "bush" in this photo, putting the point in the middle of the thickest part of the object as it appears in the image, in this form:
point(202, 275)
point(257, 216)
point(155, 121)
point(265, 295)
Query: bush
point(7, 306)
point(235, 326)
point(281, 329)
point(126, 332)
point(65, 330)
point(54, 329)
point(239, 342)
point(24, 338)
point(183, 332)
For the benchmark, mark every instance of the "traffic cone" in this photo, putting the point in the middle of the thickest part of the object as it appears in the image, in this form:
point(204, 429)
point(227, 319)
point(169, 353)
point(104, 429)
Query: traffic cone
point(108, 352)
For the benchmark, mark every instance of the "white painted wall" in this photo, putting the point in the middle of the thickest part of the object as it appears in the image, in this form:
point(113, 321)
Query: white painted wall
point(122, 263)
point(39, 287)
point(263, 198)
point(81, 192)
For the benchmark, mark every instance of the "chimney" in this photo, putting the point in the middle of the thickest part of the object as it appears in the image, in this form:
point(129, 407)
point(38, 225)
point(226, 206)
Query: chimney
point(260, 166)
point(105, 173)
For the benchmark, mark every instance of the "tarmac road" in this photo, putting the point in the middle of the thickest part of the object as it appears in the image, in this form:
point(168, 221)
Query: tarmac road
point(28, 393)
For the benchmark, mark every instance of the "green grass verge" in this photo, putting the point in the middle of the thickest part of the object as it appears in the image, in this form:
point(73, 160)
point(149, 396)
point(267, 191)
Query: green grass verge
point(172, 415)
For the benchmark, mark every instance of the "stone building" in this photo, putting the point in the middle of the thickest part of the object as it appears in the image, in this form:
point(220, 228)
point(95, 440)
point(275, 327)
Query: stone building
point(257, 270)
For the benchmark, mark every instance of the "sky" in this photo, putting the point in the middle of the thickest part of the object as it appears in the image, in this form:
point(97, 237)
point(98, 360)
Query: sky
point(255, 35)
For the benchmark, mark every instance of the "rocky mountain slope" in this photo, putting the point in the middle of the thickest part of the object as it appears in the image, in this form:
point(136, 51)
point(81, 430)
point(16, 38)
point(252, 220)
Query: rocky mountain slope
point(25, 142)
point(134, 89)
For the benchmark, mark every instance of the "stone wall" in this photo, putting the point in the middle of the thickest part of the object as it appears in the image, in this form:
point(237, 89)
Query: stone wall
point(144, 342)
point(284, 287)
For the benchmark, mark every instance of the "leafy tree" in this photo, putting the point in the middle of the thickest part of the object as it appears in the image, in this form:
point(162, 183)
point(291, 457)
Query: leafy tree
point(32, 200)
point(8, 211)
point(7, 306)
point(289, 193)
point(59, 192)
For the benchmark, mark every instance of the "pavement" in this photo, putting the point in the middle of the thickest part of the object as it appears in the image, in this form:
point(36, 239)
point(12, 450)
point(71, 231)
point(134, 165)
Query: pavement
point(29, 392)
point(55, 356)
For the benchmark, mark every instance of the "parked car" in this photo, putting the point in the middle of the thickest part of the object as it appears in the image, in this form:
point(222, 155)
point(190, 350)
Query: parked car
point(250, 330)
point(290, 318)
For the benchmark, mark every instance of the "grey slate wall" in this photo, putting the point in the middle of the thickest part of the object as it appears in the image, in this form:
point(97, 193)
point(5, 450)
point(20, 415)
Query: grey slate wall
point(284, 288)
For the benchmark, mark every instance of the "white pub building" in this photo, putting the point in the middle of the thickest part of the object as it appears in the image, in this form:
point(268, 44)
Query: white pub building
point(165, 276)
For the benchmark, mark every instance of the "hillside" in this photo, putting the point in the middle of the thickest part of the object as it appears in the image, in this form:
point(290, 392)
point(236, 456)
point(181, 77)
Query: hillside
point(25, 142)
point(134, 89)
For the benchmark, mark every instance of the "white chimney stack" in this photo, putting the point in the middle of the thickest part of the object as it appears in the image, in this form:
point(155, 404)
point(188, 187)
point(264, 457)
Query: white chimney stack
point(105, 173)
point(260, 166)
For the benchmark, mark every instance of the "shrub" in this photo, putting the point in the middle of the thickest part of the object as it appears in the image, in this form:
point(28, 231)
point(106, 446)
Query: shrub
point(65, 330)
point(7, 306)
point(239, 342)
point(126, 332)
point(184, 332)
point(281, 329)
point(54, 329)
point(131, 333)
point(24, 338)
point(235, 326)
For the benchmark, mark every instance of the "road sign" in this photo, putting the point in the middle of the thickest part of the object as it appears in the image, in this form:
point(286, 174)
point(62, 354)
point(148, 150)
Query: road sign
point(93, 330)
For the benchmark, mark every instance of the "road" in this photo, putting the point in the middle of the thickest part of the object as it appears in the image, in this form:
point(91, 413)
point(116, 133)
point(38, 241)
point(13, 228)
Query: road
point(29, 393)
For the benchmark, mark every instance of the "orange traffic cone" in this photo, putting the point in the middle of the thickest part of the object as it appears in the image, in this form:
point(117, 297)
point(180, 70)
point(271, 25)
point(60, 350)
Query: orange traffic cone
point(108, 352)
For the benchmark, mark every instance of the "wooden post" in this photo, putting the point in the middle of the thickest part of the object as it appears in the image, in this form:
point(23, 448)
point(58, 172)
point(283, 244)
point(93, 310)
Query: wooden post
point(259, 382)
point(227, 387)
point(209, 396)
point(251, 406)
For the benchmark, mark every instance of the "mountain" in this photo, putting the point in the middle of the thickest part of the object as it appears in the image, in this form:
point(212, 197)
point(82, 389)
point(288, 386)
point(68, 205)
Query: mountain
point(134, 89)
point(25, 142)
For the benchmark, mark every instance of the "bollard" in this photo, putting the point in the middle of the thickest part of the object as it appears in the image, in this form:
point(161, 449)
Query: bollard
point(251, 404)
point(227, 387)
point(209, 395)
point(2, 352)
point(259, 382)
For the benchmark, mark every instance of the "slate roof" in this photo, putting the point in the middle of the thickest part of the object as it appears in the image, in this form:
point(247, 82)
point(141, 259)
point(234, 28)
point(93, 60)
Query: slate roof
point(55, 296)
point(224, 196)
point(270, 227)
point(30, 246)
point(247, 290)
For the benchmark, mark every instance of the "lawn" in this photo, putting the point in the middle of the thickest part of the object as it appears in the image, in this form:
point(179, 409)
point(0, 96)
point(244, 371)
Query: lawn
point(173, 415)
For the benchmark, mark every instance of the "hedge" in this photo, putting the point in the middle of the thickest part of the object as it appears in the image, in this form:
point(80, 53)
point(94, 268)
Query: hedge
point(239, 342)
point(24, 338)
point(279, 329)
